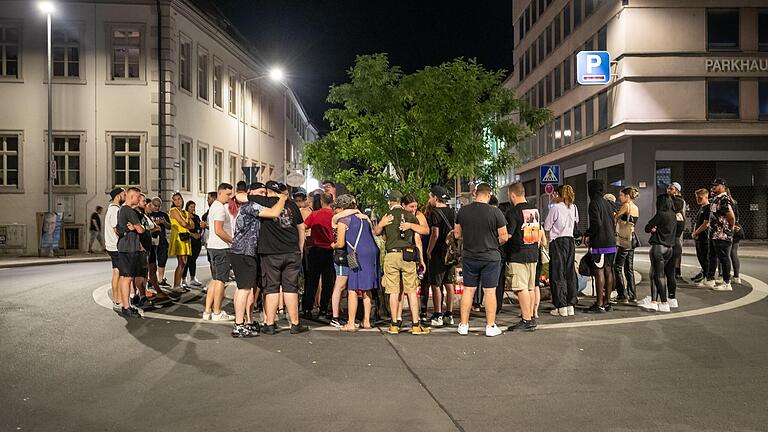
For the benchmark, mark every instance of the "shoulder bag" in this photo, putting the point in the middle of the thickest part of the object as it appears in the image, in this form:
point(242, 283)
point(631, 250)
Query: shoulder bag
point(352, 261)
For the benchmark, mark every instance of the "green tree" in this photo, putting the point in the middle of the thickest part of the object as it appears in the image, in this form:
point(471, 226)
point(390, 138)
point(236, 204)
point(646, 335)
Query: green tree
point(409, 131)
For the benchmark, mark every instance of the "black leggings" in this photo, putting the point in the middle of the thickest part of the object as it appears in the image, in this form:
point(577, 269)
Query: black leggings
point(735, 259)
point(191, 266)
point(625, 263)
point(663, 273)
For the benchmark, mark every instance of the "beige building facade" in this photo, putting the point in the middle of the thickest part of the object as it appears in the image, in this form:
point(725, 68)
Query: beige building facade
point(163, 95)
point(687, 102)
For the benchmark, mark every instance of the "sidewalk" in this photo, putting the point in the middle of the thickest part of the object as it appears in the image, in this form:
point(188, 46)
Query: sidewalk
point(12, 262)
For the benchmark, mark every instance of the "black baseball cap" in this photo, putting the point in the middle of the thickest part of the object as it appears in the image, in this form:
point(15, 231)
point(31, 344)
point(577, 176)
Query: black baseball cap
point(440, 192)
point(719, 181)
point(283, 187)
point(115, 192)
point(300, 192)
point(273, 186)
point(256, 185)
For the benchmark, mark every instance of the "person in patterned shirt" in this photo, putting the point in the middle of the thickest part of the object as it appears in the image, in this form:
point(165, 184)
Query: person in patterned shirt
point(721, 222)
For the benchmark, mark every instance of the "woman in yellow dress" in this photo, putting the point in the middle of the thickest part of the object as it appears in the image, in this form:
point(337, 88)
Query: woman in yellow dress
point(180, 244)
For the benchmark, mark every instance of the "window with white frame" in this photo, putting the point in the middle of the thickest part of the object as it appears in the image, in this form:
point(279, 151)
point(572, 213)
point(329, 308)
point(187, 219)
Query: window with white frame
point(127, 160)
point(126, 53)
point(217, 85)
point(185, 64)
point(232, 92)
point(255, 112)
point(9, 160)
point(262, 111)
point(66, 52)
point(9, 50)
point(202, 73)
point(185, 162)
point(66, 153)
point(202, 169)
point(218, 166)
point(232, 169)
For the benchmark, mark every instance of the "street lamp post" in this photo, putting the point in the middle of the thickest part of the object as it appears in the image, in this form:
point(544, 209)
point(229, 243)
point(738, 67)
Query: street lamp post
point(47, 8)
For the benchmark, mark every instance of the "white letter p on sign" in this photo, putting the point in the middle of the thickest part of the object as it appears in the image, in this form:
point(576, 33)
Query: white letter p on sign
point(593, 61)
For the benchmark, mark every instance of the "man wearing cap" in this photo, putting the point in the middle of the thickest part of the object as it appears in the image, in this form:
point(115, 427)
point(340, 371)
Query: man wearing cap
point(329, 187)
point(400, 262)
point(722, 220)
point(110, 241)
point(679, 206)
point(441, 222)
point(281, 243)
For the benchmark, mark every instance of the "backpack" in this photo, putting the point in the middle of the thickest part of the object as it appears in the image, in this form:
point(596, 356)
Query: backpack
point(453, 247)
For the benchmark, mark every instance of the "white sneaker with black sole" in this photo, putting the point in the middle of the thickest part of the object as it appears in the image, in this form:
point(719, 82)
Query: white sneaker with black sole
point(222, 316)
point(723, 287)
point(736, 280)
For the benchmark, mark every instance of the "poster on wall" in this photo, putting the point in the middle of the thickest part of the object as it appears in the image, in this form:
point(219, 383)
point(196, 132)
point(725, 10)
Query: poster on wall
point(50, 234)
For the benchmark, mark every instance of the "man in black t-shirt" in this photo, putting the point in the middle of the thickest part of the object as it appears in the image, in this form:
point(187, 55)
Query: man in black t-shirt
point(281, 244)
point(129, 229)
point(700, 233)
point(160, 251)
point(94, 229)
point(483, 228)
point(441, 221)
point(522, 252)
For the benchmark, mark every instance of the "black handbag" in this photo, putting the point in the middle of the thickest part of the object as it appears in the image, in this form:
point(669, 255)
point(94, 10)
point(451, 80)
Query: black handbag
point(410, 254)
point(184, 236)
point(585, 265)
point(340, 257)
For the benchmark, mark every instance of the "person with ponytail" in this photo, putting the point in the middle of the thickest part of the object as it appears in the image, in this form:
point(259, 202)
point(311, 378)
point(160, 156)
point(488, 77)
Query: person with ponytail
point(560, 221)
point(625, 219)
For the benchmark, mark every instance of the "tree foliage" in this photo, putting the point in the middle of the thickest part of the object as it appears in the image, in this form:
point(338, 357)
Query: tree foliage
point(410, 131)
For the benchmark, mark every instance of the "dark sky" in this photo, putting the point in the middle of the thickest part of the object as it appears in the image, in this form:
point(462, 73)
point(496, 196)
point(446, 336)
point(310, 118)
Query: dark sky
point(316, 41)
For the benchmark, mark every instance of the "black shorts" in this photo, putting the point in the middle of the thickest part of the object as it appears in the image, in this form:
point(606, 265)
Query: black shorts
point(161, 254)
point(130, 264)
point(600, 261)
point(281, 270)
point(113, 256)
point(439, 273)
point(219, 264)
point(246, 270)
point(144, 264)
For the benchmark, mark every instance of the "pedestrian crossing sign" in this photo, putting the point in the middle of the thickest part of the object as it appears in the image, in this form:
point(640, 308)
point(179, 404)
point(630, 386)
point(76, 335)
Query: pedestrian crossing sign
point(549, 174)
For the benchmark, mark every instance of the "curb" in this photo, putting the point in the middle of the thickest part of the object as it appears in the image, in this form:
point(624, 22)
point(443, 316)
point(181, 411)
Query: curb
point(54, 261)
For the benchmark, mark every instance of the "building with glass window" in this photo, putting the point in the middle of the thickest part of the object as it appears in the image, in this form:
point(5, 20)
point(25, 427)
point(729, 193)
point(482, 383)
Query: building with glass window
point(688, 99)
point(164, 96)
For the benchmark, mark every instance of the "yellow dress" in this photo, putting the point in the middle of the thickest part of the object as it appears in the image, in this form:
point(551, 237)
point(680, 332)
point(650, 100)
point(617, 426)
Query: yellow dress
point(176, 245)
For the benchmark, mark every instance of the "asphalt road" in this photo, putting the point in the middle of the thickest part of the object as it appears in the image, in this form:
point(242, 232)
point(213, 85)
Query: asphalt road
point(69, 364)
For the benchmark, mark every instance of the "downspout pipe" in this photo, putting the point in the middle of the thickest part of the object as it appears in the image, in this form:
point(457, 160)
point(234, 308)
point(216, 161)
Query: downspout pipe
point(161, 144)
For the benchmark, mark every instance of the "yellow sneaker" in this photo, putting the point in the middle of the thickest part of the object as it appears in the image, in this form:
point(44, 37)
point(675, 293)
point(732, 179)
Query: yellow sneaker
point(393, 329)
point(419, 330)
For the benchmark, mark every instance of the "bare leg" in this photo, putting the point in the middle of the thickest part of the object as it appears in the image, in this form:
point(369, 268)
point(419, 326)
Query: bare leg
point(140, 285)
point(600, 286)
point(219, 298)
point(526, 303)
point(253, 293)
point(394, 305)
point(211, 295)
point(182, 262)
point(270, 308)
point(116, 296)
point(241, 304)
point(351, 311)
point(292, 306)
point(125, 291)
point(490, 305)
point(366, 309)
point(536, 301)
point(160, 273)
point(450, 296)
point(338, 288)
point(437, 298)
point(466, 304)
point(609, 283)
point(281, 301)
point(413, 305)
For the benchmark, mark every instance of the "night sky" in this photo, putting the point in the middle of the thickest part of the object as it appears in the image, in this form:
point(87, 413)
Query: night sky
point(316, 41)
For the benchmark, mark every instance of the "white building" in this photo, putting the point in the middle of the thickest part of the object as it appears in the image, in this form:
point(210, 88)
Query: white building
point(183, 117)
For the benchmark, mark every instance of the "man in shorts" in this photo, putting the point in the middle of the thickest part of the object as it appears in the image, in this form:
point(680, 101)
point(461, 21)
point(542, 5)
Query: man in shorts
point(110, 241)
point(400, 262)
point(129, 249)
point(441, 222)
point(522, 250)
point(281, 244)
point(483, 228)
point(219, 239)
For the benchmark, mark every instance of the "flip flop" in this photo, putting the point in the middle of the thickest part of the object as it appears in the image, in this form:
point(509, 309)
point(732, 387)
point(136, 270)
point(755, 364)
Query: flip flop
point(348, 329)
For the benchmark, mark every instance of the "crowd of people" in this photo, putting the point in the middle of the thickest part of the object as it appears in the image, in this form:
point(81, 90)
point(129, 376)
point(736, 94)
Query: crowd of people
point(295, 256)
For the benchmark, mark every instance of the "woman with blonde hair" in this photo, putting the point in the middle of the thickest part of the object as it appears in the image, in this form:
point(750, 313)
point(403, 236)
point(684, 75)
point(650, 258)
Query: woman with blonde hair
point(626, 218)
point(560, 222)
point(180, 244)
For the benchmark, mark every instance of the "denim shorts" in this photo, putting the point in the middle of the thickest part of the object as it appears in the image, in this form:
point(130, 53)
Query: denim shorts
point(484, 274)
point(341, 270)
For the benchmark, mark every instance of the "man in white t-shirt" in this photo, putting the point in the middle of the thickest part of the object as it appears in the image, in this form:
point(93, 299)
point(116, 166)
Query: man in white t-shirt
point(110, 241)
point(219, 239)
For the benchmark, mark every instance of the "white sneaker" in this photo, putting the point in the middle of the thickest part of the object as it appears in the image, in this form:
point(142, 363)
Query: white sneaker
point(206, 316)
point(492, 330)
point(673, 303)
point(723, 287)
point(651, 307)
point(707, 283)
point(719, 279)
point(571, 311)
point(463, 329)
point(437, 322)
point(664, 307)
point(645, 301)
point(222, 316)
point(736, 280)
point(561, 312)
point(196, 283)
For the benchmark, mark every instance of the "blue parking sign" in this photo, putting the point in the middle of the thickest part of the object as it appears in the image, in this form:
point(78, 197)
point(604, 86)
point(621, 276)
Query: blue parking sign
point(593, 67)
point(549, 174)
